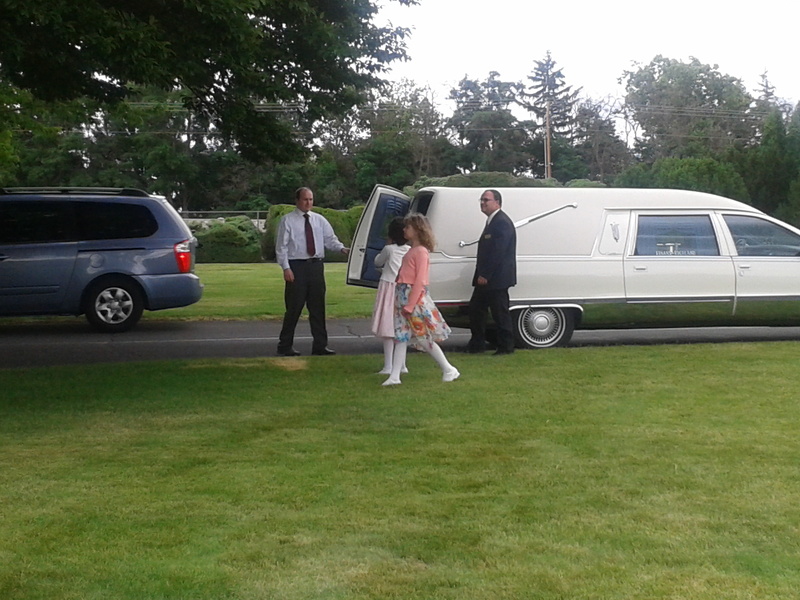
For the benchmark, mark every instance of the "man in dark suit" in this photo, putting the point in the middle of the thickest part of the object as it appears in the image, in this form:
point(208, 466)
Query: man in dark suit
point(495, 272)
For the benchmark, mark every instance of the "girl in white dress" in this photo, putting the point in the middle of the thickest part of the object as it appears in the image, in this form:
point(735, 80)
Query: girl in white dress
point(388, 262)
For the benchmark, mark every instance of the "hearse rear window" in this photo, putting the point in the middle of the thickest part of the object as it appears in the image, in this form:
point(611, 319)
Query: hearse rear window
point(676, 235)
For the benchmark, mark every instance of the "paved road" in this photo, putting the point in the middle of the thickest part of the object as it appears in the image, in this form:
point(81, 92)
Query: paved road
point(29, 344)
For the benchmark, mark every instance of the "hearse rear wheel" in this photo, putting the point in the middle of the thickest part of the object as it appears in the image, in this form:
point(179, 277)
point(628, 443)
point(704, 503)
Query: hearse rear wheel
point(544, 327)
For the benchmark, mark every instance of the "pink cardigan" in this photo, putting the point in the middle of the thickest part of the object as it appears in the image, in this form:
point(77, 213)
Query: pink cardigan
point(414, 271)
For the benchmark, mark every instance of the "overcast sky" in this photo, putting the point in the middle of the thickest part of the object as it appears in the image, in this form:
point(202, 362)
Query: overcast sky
point(595, 42)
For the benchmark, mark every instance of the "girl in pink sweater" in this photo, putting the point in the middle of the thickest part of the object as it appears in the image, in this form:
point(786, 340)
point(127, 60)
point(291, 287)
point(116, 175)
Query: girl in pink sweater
point(417, 321)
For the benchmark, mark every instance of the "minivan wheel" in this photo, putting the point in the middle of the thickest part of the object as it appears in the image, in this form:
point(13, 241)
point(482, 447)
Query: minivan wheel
point(543, 327)
point(114, 305)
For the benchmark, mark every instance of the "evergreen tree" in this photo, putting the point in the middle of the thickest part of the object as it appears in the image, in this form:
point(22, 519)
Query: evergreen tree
point(767, 168)
point(549, 93)
point(698, 174)
point(768, 100)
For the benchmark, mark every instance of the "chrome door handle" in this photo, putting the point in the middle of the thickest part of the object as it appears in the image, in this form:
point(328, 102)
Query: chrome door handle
point(639, 268)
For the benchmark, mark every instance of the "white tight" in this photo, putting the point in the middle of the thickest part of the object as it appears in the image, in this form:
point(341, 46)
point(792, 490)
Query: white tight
point(388, 353)
point(399, 358)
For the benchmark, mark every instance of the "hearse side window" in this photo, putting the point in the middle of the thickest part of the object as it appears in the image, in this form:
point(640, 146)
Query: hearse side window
point(676, 235)
point(113, 221)
point(422, 202)
point(758, 237)
point(36, 222)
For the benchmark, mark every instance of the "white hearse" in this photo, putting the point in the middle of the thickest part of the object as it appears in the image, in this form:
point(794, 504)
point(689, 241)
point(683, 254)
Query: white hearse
point(601, 258)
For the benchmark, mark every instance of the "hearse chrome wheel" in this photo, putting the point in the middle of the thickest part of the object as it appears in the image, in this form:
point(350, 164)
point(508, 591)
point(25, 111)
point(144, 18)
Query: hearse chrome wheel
point(543, 327)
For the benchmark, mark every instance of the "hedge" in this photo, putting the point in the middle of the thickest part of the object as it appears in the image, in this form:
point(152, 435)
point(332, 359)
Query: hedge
point(344, 224)
point(230, 240)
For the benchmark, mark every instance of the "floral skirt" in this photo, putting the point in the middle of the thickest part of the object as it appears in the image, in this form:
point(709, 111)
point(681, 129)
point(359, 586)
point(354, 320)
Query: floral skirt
point(425, 325)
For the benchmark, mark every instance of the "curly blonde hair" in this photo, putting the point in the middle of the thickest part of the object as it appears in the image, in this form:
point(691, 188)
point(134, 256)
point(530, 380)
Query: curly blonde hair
point(423, 229)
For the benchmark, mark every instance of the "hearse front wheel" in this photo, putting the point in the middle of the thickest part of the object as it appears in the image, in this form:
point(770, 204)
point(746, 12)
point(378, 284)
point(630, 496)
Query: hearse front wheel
point(543, 327)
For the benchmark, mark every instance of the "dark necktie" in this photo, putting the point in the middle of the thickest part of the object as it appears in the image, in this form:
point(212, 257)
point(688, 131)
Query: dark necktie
point(311, 248)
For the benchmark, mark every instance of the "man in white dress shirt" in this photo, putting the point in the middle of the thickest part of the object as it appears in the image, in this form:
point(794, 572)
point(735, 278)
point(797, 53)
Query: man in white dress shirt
point(303, 236)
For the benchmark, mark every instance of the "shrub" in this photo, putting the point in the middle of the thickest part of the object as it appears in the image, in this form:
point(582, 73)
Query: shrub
point(343, 222)
point(232, 240)
point(584, 183)
point(480, 179)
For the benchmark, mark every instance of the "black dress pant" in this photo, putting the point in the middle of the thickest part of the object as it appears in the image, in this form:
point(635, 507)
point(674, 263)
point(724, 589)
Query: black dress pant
point(496, 301)
point(307, 290)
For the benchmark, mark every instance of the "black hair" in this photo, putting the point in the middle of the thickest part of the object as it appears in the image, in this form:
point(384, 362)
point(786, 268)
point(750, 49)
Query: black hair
point(497, 196)
point(395, 231)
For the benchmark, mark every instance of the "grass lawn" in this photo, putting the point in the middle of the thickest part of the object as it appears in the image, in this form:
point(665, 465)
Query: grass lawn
point(255, 291)
point(578, 473)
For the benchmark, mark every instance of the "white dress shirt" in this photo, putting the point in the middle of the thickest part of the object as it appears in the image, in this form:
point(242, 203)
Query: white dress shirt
point(290, 243)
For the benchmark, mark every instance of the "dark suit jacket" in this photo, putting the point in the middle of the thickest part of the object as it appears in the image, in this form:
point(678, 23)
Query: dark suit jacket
point(497, 253)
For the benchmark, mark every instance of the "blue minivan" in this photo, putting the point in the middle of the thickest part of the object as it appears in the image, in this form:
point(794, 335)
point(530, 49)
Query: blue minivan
point(107, 253)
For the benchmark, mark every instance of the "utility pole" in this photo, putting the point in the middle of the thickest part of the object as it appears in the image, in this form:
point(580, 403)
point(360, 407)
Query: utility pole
point(547, 166)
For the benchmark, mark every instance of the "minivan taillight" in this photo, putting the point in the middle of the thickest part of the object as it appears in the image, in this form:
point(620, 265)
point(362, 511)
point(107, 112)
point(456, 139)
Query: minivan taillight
point(183, 256)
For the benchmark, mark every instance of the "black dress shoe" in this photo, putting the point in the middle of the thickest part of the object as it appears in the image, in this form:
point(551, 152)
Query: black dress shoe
point(288, 352)
point(323, 352)
point(503, 352)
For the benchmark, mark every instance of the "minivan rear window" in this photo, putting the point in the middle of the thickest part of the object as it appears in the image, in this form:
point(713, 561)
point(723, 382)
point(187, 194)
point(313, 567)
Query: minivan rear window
point(114, 221)
point(49, 221)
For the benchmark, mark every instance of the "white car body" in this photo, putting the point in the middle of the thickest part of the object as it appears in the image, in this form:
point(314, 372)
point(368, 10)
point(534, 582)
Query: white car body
point(603, 258)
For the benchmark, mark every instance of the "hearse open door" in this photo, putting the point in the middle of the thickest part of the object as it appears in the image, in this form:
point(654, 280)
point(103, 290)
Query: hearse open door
point(370, 236)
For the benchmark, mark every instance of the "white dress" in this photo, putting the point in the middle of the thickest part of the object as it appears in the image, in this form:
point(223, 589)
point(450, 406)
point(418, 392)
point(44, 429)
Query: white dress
point(388, 260)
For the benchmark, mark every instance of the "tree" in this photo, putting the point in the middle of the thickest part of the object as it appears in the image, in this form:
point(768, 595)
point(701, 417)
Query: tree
point(789, 211)
point(412, 110)
point(698, 174)
point(768, 100)
point(767, 168)
point(687, 109)
point(552, 102)
point(407, 139)
point(793, 136)
point(596, 141)
point(550, 98)
point(492, 139)
point(396, 138)
point(568, 164)
point(38, 139)
point(230, 58)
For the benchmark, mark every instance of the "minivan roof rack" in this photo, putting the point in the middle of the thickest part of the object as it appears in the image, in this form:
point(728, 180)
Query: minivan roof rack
point(74, 190)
